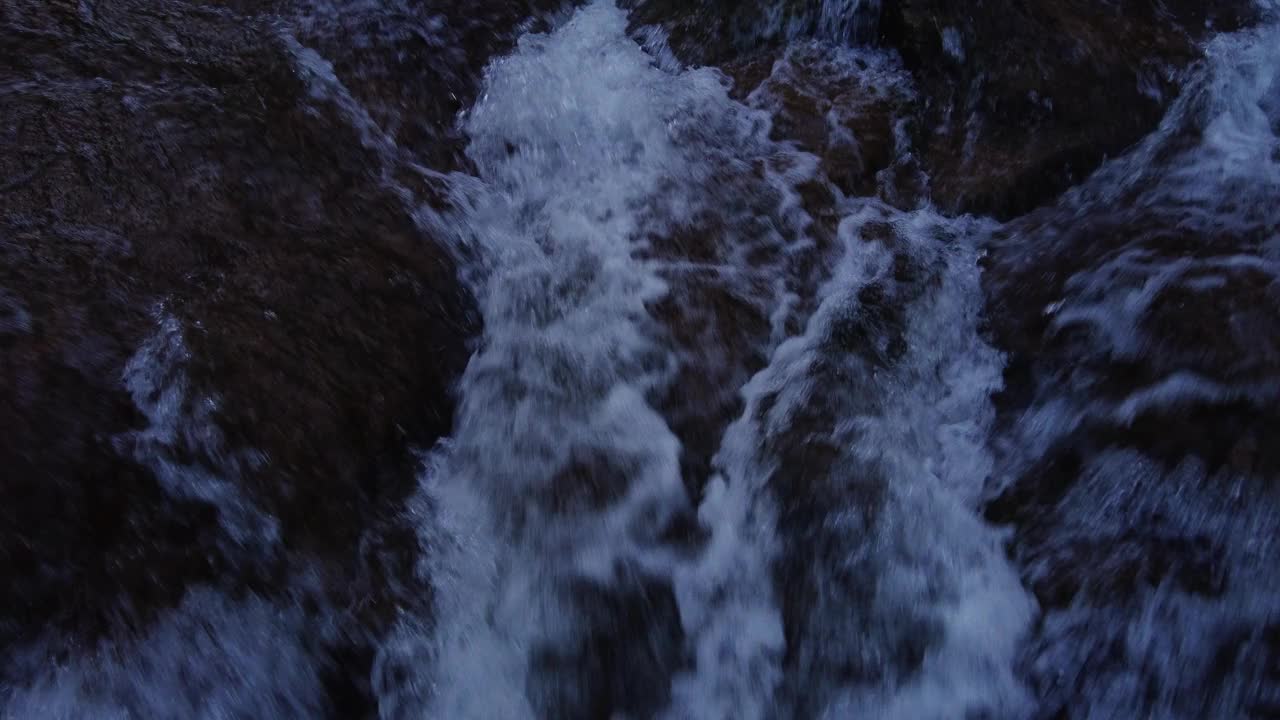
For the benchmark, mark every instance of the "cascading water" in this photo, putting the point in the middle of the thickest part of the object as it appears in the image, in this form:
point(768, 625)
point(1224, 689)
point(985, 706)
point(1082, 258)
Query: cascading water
point(735, 440)
point(591, 477)
point(1169, 226)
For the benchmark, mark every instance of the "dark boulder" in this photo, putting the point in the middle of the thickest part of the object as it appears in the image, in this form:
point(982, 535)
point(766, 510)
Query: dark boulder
point(171, 169)
point(1021, 101)
point(842, 107)
point(1138, 314)
point(413, 65)
point(1013, 103)
point(713, 32)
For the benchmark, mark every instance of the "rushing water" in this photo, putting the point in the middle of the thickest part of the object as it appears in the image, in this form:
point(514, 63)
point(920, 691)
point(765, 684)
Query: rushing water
point(631, 230)
point(1181, 225)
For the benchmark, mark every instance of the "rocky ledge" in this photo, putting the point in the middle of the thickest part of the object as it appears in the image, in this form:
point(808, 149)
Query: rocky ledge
point(1015, 103)
point(208, 270)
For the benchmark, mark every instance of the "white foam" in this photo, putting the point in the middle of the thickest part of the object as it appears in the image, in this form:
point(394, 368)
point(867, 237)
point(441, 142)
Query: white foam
point(460, 662)
point(1210, 173)
point(14, 317)
point(575, 168)
point(209, 659)
point(925, 429)
point(928, 436)
point(953, 44)
point(1165, 647)
point(182, 444)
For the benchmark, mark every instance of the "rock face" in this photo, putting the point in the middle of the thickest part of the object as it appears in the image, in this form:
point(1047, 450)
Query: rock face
point(1138, 313)
point(413, 65)
point(225, 326)
point(186, 177)
point(713, 32)
point(843, 109)
point(1014, 103)
point(1023, 101)
point(1137, 379)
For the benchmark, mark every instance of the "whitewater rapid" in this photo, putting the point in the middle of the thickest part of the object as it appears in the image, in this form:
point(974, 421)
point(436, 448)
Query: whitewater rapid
point(576, 475)
point(831, 557)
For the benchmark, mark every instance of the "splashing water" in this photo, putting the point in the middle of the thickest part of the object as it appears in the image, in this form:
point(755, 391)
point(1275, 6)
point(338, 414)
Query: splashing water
point(180, 427)
point(210, 658)
point(578, 475)
point(1155, 557)
point(727, 446)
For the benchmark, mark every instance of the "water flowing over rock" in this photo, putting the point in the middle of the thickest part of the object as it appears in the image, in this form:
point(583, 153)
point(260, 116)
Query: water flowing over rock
point(170, 174)
point(1139, 313)
point(1016, 103)
point(1026, 100)
point(639, 359)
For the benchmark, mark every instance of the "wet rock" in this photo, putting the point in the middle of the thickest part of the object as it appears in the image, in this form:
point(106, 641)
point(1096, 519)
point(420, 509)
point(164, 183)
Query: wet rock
point(706, 32)
point(1020, 102)
point(1013, 105)
point(843, 107)
point(836, 514)
point(172, 160)
point(727, 303)
point(1148, 320)
point(1155, 365)
point(1135, 397)
point(712, 32)
point(621, 662)
point(413, 65)
point(705, 321)
point(80, 519)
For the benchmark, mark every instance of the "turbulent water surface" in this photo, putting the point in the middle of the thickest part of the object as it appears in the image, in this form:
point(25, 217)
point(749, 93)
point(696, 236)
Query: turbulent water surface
point(744, 433)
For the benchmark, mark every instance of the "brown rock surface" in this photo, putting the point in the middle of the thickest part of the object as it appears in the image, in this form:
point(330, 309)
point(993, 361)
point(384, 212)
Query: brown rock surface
point(843, 109)
point(1022, 101)
point(1014, 103)
point(172, 161)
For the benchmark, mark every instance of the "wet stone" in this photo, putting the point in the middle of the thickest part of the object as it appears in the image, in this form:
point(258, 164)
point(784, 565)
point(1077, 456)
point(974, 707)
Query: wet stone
point(171, 161)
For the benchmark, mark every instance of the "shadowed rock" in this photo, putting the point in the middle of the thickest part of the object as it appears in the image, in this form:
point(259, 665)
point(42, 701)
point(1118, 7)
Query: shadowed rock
point(173, 161)
point(1014, 103)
